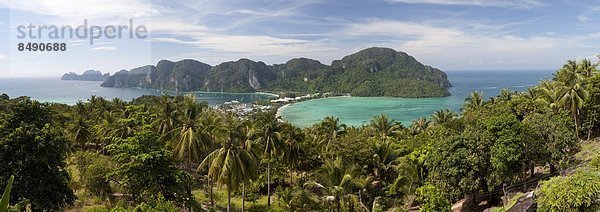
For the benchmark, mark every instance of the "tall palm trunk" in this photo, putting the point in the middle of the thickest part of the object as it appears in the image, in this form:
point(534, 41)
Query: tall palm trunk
point(210, 192)
point(189, 187)
point(576, 123)
point(291, 176)
point(269, 180)
point(228, 198)
point(210, 189)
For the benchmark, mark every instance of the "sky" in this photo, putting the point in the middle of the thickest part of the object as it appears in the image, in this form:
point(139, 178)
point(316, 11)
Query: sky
point(446, 34)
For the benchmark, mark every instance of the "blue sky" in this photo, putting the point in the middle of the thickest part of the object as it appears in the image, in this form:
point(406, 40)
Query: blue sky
point(447, 34)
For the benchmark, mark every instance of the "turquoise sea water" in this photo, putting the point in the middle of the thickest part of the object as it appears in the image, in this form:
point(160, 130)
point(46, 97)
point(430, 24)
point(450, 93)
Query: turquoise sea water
point(69, 92)
point(360, 110)
point(351, 110)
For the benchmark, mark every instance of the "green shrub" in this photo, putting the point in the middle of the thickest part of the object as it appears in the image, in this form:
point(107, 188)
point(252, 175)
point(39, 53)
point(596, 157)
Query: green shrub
point(578, 192)
point(432, 199)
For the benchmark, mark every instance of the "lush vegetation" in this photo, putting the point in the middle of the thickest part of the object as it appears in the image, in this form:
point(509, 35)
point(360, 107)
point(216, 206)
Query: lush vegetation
point(173, 153)
point(370, 72)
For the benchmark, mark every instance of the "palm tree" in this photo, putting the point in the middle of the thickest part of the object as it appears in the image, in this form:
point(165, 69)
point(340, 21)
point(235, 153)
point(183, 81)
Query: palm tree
point(194, 135)
point(532, 94)
point(568, 74)
point(549, 94)
point(81, 109)
point(231, 164)
point(213, 130)
point(104, 130)
point(473, 101)
point(506, 95)
point(269, 136)
point(572, 91)
point(81, 132)
point(572, 99)
point(186, 139)
point(419, 125)
point(124, 127)
point(410, 173)
point(385, 158)
point(245, 133)
point(118, 104)
point(585, 68)
point(442, 117)
point(167, 117)
point(291, 135)
point(331, 128)
point(339, 182)
point(383, 126)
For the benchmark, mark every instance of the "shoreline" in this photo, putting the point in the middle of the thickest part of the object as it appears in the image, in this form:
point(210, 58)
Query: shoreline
point(285, 105)
point(280, 110)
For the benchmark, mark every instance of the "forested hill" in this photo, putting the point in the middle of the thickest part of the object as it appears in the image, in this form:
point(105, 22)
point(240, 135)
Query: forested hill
point(370, 72)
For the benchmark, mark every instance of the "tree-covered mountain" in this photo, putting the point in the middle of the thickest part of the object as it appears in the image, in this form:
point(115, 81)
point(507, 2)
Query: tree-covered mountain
point(185, 75)
point(89, 75)
point(370, 72)
point(243, 75)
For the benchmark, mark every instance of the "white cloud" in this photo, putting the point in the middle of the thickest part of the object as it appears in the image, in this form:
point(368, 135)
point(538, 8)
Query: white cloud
point(265, 13)
point(176, 27)
point(482, 3)
point(459, 47)
point(3, 56)
point(258, 45)
point(104, 48)
point(583, 18)
point(92, 9)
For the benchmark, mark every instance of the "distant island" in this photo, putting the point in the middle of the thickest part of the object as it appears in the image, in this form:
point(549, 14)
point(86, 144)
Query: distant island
point(89, 75)
point(371, 72)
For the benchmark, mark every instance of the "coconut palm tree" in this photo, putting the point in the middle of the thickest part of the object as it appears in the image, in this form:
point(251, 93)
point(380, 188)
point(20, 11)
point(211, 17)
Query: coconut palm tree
point(245, 132)
point(384, 160)
point(383, 126)
point(331, 128)
point(269, 135)
point(167, 116)
point(186, 139)
point(506, 95)
point(571, 91)
point(586, 68)
point(213, 130)
point(232, 164)
point(532, 94)
point(291, 135)
point(104, 129)
point(410, 173)
point(473, 101)
point(81, 132)
point(81, 109)
point(419, 125)
point(118, 104)
point(339, 181)
point(572, 99)
point(549, 94)
point(442, 117)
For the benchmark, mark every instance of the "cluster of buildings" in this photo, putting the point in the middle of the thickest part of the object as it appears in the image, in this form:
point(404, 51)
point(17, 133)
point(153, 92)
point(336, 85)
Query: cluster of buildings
point(241, 109)
point(295, 99)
